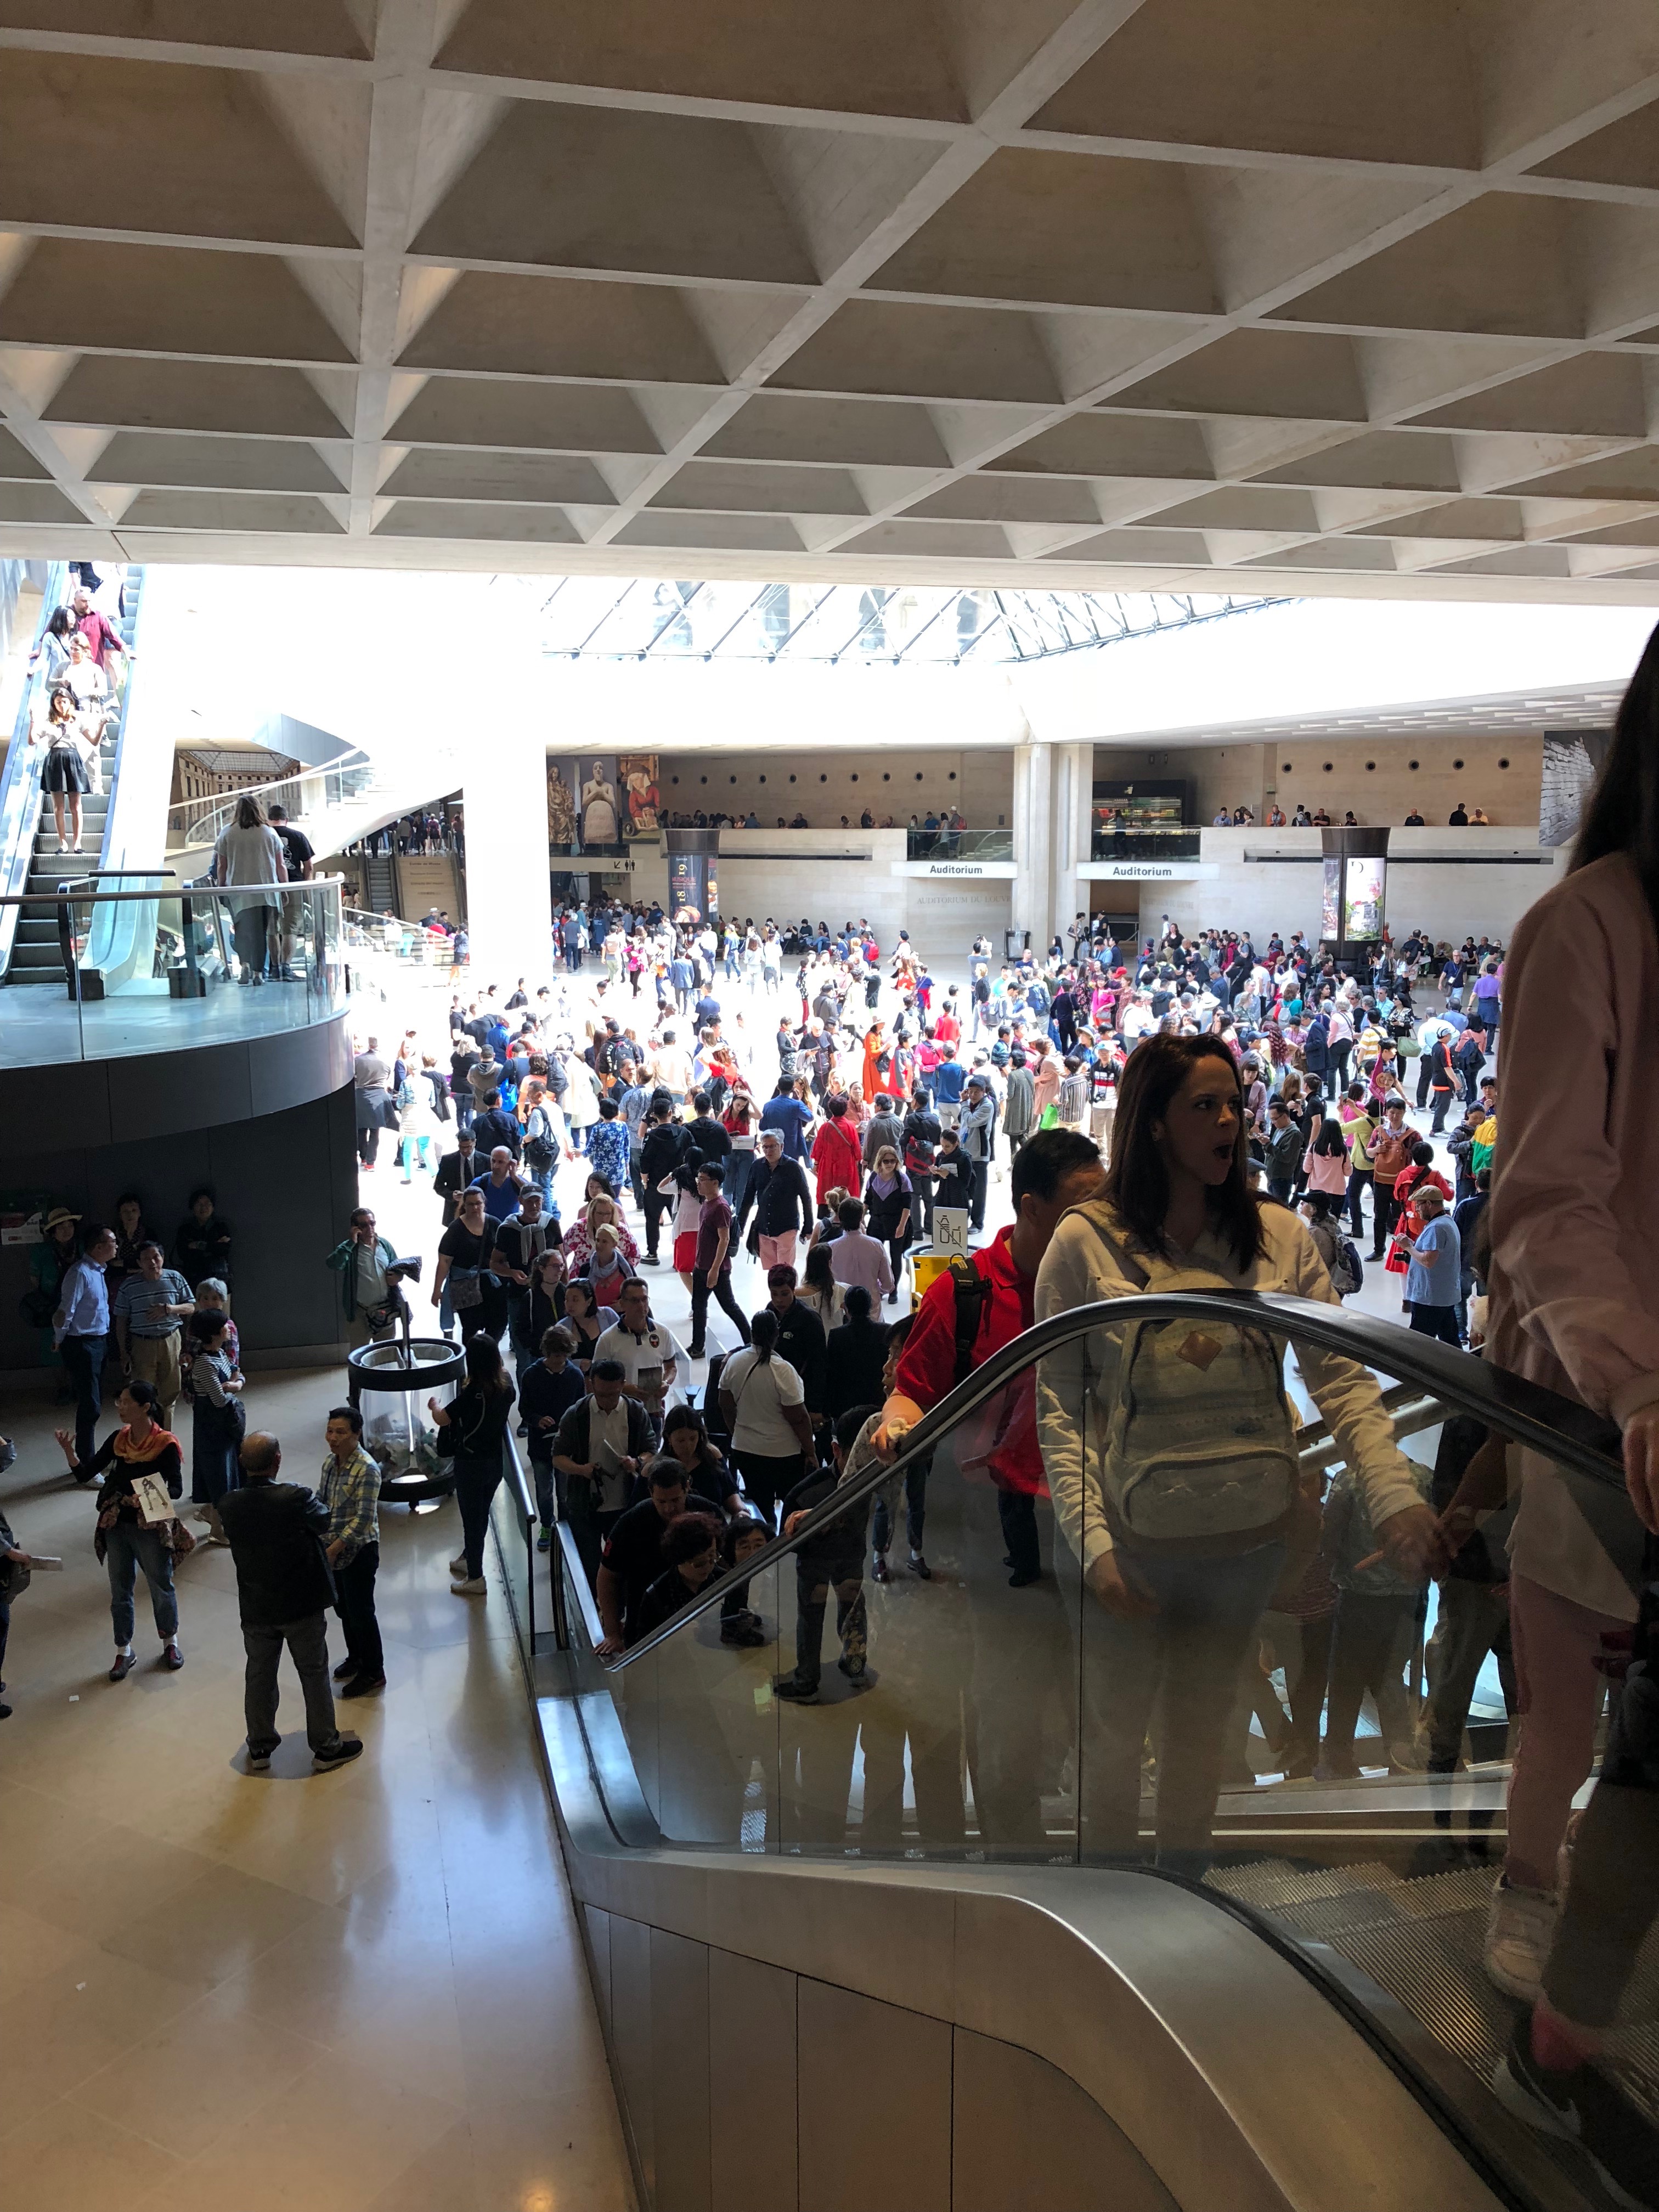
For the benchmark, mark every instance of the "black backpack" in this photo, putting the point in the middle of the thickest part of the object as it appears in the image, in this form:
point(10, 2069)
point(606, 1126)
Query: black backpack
point(972, 1292)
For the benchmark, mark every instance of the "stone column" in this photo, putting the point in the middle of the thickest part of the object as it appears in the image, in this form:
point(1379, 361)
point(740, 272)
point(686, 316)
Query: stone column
point(1033, 841)
point(509, 908)
point(1073, 802)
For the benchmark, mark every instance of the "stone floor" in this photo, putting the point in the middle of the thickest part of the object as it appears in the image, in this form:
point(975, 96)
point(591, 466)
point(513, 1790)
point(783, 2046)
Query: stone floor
point(221, 1992)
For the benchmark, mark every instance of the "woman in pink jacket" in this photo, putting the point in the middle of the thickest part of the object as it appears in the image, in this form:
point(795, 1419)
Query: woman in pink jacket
point(1575, 1304)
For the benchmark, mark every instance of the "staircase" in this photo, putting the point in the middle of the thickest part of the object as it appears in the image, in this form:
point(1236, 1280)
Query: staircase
point(37, 956)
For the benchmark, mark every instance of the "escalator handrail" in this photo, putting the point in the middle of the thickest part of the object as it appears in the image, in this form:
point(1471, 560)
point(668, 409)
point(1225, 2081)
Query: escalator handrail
point(1566, 1432)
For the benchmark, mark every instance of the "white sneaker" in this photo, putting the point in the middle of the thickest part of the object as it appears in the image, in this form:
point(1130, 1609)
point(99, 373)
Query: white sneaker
point(458, 1566)
point(1520, 1928)
point(474, 1586)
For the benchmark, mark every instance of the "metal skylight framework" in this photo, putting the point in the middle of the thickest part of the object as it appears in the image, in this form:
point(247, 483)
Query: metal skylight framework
point(593, 617)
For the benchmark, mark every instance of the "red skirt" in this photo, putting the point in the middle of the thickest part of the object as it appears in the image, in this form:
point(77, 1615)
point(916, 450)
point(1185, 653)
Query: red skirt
point(685, 1251)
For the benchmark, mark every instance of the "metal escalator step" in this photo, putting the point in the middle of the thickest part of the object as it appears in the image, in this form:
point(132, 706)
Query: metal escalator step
point(1277, 1887)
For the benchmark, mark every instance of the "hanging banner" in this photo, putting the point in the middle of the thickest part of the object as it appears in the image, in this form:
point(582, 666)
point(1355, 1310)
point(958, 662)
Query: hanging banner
point(584, 804)
point(642, 799)
point(694, 895)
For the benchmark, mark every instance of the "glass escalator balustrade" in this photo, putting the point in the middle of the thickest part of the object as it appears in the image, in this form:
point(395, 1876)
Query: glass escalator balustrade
point(1264, 1694)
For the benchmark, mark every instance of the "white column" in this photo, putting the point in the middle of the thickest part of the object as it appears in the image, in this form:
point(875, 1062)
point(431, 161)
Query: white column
point(1073, 801)
point(1033, 845)
point(509, 910)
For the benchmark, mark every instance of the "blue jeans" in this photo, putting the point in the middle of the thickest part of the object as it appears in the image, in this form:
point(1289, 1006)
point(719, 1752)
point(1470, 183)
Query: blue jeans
point(542, 1180)
point(1186, 1659)
point(127, 1547)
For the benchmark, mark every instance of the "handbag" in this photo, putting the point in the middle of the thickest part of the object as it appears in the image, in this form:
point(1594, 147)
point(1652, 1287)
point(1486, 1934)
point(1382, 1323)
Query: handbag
point(466, 1289)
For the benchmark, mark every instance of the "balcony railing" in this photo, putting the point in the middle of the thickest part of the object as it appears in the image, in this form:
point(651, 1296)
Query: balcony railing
point(1143, 845)
point(959, 845)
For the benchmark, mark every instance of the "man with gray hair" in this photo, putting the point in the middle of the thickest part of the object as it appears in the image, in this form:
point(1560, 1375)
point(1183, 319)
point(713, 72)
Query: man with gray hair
point(284, 1584)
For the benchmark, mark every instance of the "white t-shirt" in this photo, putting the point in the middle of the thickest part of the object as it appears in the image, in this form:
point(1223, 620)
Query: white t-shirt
point(762, 1393)
point(644, 1358)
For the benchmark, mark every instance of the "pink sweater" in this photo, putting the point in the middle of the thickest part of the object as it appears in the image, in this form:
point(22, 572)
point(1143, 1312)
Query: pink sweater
point(1575, 1208)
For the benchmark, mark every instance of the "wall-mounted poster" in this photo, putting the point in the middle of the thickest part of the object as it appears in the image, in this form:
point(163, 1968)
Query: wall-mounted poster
point(584, 799)
point(642, 801)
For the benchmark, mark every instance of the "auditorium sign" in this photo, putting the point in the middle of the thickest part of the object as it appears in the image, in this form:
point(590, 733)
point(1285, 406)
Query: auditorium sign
point(1147, 871)
point(982, 870)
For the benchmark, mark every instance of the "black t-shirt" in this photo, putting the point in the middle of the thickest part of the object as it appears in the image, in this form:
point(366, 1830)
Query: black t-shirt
point(300, 849)
point(633, 1552)
point(461, 1248)
point(664, 1599)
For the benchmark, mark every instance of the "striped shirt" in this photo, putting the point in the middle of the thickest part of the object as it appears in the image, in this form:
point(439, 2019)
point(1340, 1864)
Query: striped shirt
point(141, 1304)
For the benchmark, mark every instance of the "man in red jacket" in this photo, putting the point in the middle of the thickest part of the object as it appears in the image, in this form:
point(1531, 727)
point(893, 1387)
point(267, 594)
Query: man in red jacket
point(1019, 1656)
point(1058, 1169)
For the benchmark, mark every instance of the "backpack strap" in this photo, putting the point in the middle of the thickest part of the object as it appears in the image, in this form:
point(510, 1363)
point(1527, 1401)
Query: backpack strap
point(972, 1290)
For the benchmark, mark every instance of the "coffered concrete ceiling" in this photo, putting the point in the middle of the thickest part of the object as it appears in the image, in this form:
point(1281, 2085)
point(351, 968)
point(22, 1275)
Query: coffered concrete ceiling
point(1279, 295)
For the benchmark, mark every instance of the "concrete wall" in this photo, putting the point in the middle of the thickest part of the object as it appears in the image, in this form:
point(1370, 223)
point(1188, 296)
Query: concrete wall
point(1448, 882)
point(823, 786)
point(1378, 779)
point(284, 1182)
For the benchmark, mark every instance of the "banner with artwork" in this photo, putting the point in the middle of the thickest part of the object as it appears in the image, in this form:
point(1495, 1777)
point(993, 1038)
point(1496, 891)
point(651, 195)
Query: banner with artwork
point(642, 801)
point(584, 804)
point(694, 894)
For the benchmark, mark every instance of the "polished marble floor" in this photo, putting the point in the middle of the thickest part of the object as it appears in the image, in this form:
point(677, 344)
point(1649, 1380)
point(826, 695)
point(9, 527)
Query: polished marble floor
point(220, 1992)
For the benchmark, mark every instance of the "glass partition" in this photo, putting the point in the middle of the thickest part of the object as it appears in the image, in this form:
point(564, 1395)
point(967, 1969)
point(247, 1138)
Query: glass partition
point(1286, 1673)
point(154, 965)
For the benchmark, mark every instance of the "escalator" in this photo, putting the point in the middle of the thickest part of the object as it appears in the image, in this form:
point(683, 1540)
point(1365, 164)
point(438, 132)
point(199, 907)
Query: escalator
point(968, 1731)
point(32, 860)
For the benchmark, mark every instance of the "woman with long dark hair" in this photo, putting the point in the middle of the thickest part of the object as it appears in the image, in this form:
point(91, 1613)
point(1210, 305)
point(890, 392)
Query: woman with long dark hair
point(1171, 1449)
point(1574, 1303)
point(472, 1429)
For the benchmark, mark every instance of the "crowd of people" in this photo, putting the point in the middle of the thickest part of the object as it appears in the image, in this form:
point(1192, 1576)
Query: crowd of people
point(800, 1097)
point(77, 670)
point(1321, 819)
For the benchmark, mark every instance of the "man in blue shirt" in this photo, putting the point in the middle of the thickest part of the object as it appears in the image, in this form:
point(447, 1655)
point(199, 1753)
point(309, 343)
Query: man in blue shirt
point(1433, 1283)
point(947, 1080)
point(791, 1117)
point(79, 1329)
point(501, 1188)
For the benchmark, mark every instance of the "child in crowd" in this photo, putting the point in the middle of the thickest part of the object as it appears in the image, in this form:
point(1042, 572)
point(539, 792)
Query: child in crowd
point(1376, 1609)
point(834, 1559)
point(740, 1623)
point(217, 1421)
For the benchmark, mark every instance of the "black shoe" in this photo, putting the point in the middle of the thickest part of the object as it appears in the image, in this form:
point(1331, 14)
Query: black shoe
point(5, 1712)
point(739, 1634)
point(649, 1259)
point(1580, 2106)
point(920, 1568)
point(1020, 1579)
point(346, 1748)
point(697, 1352)
point(124, 1663)
point(794, 1690)
point(881, 1572)
point(363, 1685)
point(345, 1670)
point(259, 1762)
